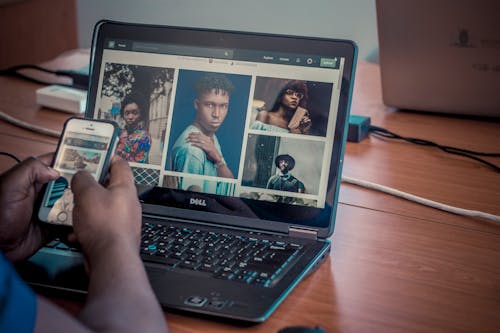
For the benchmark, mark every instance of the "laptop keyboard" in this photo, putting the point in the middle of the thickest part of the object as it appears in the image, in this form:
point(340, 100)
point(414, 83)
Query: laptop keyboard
point(244, 259)
point(248, 258)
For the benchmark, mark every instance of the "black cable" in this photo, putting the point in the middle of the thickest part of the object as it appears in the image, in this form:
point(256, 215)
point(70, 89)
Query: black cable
point(380, 131)
point(28, 78)
point(79, 80)
point(10, 155)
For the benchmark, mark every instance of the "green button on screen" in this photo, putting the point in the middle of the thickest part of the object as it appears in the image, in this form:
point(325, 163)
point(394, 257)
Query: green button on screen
point(328, 62)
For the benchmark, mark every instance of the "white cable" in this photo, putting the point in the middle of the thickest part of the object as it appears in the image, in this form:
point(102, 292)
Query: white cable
point(420, 200)
point(28, 126)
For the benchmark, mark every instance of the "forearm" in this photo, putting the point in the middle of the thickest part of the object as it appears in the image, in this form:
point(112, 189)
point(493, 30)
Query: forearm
point(224, 171)
point(120, 298)
point(221, 166)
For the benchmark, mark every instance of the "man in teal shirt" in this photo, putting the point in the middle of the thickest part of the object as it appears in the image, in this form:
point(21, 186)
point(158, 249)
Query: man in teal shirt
point(197, 149)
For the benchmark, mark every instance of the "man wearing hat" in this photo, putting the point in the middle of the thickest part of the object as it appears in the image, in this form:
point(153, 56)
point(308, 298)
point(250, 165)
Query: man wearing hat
point(283, 179)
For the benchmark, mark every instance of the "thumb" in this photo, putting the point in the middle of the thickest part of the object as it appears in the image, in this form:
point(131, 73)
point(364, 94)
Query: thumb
point(30, 172)
point(120, 174)
point(82, 181)
point(39, 173)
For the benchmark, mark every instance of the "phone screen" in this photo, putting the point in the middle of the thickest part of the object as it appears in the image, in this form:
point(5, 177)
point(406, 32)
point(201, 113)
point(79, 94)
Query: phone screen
point(79, 149)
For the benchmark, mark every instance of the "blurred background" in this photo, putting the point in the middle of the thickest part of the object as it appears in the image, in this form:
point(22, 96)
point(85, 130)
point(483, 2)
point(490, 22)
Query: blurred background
point(32, 31)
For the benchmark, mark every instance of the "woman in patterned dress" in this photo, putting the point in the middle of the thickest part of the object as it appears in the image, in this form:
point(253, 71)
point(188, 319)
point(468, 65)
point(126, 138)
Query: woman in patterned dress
point(135, 141)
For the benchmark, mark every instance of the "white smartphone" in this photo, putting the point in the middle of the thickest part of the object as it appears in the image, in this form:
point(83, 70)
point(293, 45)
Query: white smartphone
point(84, 145)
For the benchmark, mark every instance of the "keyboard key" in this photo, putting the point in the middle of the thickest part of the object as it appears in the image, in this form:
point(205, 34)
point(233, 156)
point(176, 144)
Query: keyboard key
point(244, 259)
point(190, 264)
point(178, 255)
point(207, 267)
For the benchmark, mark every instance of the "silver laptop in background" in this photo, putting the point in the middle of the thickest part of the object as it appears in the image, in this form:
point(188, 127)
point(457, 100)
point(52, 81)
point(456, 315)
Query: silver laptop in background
point(440, 56)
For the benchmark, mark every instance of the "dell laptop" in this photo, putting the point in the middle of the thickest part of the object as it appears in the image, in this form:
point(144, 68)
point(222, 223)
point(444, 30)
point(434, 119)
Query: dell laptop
point(235, 141)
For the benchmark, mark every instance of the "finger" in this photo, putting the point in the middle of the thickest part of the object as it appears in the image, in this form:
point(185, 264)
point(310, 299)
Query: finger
point(41, 172)
point(192, 136)
point(30, 172)
point(198, 144)
point(46, 158)
point(120, 173)
point(82, 181)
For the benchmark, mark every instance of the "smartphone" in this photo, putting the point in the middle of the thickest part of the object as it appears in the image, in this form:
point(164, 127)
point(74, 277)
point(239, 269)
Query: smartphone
point(84, 144)
point(300, 112)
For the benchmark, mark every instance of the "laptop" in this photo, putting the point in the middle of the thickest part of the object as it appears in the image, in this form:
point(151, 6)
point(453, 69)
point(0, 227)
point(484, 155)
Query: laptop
point(440, 56)
point(229, 236)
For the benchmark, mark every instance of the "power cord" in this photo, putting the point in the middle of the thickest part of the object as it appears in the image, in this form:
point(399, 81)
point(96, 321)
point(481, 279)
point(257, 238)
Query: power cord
point(380, 131)
point(4, 153)
point(420, 200)
point(28, 126)
point(360, 127)
point(79, 80)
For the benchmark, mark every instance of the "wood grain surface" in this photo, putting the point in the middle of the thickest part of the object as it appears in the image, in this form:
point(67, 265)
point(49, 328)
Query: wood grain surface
point(395, 266)
point(33, 31)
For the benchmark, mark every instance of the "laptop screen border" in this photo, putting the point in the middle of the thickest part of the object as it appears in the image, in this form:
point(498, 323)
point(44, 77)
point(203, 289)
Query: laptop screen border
point(321, 219)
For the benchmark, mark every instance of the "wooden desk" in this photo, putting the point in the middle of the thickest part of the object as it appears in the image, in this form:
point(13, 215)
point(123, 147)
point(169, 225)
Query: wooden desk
point(395, 266)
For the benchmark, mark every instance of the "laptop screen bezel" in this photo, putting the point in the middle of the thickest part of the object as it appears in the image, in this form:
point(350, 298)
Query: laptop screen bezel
point(320, 219)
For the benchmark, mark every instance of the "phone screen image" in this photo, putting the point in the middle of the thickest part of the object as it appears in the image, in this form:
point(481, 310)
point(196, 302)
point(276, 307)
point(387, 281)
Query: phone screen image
point(77, 151)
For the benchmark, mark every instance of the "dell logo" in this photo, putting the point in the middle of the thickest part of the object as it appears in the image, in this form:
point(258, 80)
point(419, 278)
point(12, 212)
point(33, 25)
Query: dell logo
point(197, 202)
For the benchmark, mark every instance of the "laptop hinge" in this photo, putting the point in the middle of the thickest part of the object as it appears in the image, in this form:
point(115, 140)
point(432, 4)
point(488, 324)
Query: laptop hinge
point(303, 233)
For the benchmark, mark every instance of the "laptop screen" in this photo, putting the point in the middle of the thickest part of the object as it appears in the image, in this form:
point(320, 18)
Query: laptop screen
point(223, 124)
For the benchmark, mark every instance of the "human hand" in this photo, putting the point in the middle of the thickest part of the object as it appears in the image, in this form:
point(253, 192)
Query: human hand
point(109, 217)
point(300, 122)
point(303, 127)
point(205, 143)
point(20, 235)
